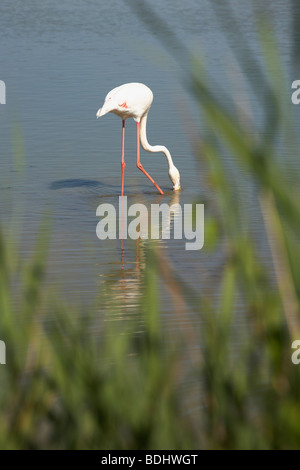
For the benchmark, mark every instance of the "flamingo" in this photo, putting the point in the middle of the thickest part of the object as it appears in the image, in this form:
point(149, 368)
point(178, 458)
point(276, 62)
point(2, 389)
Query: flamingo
point(133, 100)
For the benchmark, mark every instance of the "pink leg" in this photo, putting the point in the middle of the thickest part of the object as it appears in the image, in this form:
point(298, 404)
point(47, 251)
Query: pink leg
point(123, 161)
point(138, 162)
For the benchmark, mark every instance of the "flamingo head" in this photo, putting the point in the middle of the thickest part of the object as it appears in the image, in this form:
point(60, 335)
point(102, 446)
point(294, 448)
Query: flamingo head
point(175, 177)
point(107, 107)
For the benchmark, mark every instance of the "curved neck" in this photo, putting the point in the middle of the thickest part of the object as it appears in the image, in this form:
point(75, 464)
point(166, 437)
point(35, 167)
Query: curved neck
point(152, 148)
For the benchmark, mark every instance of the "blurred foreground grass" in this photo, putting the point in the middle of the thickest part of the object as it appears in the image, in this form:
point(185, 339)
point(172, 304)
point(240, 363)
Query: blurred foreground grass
point(65, 388)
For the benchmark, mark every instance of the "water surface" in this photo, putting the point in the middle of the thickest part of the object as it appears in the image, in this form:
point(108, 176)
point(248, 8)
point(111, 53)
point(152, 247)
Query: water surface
point(59, 60)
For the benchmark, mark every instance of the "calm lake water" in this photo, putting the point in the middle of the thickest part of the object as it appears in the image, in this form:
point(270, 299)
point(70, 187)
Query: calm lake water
point(59, 60)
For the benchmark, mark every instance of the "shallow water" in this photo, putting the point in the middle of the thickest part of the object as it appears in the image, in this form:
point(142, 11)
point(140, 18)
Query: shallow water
point(59, 60)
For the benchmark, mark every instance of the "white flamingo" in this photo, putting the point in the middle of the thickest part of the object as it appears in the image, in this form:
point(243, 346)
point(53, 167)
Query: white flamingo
point(133, 100)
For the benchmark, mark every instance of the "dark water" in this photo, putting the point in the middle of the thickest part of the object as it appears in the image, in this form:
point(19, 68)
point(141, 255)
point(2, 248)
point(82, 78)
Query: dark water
point(59, 60)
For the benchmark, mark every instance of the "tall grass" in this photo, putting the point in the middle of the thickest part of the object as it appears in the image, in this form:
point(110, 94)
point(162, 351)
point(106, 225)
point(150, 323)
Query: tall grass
point(64, 387)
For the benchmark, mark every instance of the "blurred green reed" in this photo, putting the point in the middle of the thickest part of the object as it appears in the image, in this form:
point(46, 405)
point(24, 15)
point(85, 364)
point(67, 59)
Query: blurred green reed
point(65, 387)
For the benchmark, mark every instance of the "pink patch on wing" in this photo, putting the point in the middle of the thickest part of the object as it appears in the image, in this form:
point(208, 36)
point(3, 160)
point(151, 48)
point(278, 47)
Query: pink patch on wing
point(123, 105)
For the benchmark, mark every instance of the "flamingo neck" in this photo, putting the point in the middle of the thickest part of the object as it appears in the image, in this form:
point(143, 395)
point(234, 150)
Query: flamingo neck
point(152, 148)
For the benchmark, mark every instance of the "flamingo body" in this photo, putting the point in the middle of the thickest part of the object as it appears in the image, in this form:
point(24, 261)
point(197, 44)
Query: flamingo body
point(133, 100)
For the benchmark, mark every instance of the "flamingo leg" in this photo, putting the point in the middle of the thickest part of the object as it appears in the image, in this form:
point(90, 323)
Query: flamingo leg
point(138, 161)
point(123, 160)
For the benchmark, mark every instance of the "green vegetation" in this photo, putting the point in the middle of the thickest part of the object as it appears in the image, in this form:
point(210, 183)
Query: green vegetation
point(67, 388)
